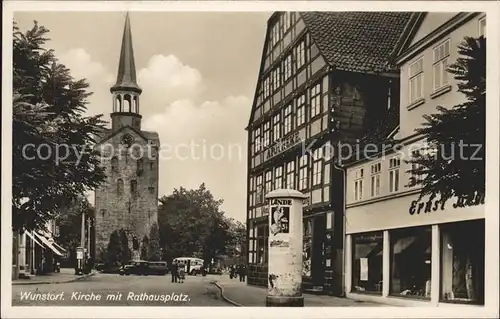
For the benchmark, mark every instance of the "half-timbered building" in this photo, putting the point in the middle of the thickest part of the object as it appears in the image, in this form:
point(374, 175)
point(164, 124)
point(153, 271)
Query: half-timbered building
point(325, 78)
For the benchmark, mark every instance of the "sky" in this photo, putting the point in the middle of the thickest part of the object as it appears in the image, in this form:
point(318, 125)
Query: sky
point(198, 72)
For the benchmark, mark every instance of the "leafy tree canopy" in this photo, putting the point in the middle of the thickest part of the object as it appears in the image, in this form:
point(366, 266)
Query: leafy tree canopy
point(69, 221)
point(114, 252)
point(48, 115)
point(453, 163)
point(192, 224)
point(154, 253)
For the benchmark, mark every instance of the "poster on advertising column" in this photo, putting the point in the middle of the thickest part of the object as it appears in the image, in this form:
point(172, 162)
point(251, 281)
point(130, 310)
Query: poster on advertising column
point(280, 222)
point(363, 269)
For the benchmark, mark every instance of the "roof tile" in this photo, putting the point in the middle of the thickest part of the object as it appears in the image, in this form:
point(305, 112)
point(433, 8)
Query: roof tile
point(357, 41)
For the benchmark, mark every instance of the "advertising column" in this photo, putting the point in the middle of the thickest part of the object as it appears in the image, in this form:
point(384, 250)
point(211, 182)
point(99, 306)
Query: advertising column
point(285, 248)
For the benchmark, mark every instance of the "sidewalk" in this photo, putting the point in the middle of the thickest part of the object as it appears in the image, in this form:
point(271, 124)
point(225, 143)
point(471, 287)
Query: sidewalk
point(242, 295)
point(66, 275)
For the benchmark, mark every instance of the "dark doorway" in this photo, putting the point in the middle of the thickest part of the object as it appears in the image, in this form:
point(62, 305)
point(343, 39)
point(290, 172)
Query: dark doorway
point(317, 262)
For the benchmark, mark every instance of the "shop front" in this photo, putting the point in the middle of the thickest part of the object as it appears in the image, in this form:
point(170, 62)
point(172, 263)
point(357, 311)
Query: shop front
point(401, 251)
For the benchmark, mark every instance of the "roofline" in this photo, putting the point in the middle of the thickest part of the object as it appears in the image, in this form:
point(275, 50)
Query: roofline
point(107, 137)
point(435, 35)
point(261, 69)
point(408, 33)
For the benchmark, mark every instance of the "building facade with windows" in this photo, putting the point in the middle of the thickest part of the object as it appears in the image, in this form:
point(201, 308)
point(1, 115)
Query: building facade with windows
point(401, 250)
point(325, 78)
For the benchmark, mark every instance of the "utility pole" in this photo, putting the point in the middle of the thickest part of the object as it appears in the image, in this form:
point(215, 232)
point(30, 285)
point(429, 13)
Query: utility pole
point(89, 222)
point(82, 238)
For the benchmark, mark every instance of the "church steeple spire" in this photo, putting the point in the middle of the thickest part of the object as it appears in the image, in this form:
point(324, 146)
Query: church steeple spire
point(126, 91)
point(126, 79)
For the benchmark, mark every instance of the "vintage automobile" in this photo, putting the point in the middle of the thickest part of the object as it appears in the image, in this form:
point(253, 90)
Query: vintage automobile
point(135, 267)
point(158, 268)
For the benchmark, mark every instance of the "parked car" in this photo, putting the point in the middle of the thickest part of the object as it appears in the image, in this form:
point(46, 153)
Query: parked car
point(158, 268)
point(99, 266)
point(135, 267)
point(109, 269)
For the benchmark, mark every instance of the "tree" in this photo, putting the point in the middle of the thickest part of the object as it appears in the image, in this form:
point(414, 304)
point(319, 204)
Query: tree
point(454, 162)
point(192, 224)
point(125, 250)
point(154, 253)
point(144, 248)
point(69, 222)
point(114, 252)
point(48, 116)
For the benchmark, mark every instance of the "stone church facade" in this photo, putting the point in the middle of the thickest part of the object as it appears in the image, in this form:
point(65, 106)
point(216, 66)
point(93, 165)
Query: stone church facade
point(128, 199)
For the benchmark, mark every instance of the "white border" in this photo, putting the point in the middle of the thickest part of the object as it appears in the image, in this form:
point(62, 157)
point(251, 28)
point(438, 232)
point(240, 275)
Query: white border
point(492, 191)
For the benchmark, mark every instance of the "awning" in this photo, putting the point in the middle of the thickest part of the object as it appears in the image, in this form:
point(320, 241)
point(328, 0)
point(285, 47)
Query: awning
point(61, 249)
point(33, 238)
point(47, 243)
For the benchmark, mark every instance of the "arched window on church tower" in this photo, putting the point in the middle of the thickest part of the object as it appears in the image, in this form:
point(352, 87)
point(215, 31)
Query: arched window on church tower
point(133, 187)
point(119, 186)
point(151, 187)
point(140, 166)
point(114, 164)
point(127, 103)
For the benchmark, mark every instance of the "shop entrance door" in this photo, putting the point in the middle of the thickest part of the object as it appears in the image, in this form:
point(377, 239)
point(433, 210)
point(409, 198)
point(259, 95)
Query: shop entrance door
point(317, 262)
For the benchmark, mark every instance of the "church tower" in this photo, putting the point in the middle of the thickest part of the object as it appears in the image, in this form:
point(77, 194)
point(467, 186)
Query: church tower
point(128, 201)
point(126, 91)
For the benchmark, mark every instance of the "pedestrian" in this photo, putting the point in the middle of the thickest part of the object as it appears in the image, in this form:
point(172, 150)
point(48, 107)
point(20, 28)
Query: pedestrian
point(231, 272)
point(182, 272)
point(174, 271)
point(242, 271)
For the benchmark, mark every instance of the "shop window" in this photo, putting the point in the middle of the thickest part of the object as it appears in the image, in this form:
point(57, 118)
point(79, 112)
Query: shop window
point(462, 262)
point(411, 262)
point(367, 262)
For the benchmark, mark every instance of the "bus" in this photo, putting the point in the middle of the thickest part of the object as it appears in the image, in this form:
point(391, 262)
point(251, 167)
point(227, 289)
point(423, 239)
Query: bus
point(196, 264)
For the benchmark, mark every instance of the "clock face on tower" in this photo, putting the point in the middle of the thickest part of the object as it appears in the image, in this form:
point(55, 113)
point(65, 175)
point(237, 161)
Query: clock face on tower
point(127, 140)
